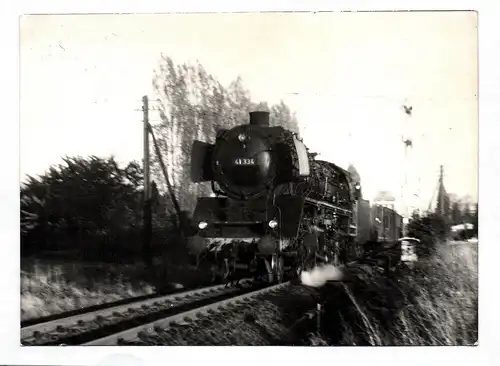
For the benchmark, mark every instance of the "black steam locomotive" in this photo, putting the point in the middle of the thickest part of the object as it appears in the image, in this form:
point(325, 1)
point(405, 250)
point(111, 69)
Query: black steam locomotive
point(275, 210)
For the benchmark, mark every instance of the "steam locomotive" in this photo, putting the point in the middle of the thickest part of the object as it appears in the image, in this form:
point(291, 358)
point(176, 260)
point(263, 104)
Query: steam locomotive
point(276, 210)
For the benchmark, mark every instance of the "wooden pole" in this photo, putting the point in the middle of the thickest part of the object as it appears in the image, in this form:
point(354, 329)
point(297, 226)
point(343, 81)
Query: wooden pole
point(147, 228)
point(167, 180)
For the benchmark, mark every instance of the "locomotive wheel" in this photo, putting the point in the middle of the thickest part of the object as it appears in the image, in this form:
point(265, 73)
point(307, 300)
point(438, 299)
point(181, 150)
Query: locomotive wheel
point(213, 272)
point(277, 267)
point(280, 270)
point(269, 271)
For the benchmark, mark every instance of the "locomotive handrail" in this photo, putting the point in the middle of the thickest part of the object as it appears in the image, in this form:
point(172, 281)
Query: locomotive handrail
point(253, 222)
point(340, 209)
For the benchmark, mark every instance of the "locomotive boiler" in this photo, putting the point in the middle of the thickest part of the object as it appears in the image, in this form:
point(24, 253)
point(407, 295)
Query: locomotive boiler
point(276, 210)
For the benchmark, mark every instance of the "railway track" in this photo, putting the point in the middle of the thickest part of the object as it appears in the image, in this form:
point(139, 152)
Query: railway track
point(117, 323)
point(143, 332)
point(125, 301)
point(148, 318)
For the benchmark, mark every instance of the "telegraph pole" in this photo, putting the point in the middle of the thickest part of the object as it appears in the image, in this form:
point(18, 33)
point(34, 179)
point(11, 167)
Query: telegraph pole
point(147, 225)
point(408, 142)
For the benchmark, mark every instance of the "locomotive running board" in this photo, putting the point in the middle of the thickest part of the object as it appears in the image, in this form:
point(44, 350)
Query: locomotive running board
point(223, 241)
point(335, 208)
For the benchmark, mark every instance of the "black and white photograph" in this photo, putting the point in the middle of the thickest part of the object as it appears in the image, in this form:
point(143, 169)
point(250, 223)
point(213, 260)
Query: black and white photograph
point(249, 179)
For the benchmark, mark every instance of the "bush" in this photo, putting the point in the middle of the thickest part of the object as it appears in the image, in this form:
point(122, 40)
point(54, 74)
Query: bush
point(431, 230)
point(436, 303)
point(91, 209)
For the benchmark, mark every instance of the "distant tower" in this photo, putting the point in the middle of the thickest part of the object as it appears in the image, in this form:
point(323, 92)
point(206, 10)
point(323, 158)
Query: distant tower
point(443, 201)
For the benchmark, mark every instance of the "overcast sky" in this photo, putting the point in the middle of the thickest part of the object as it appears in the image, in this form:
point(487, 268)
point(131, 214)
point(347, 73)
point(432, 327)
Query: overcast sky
point(346, 76)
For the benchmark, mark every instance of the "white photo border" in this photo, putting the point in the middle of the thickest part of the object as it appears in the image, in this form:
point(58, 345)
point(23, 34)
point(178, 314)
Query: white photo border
point(489, 78)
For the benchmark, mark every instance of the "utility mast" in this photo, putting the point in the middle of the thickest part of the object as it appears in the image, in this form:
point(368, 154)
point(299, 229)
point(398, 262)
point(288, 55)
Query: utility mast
point(147, 228)
point(406, 196)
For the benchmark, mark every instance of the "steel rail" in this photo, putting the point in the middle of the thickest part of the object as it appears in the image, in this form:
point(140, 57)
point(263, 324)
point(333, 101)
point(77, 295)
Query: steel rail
point(31, 332)
point(133, 334)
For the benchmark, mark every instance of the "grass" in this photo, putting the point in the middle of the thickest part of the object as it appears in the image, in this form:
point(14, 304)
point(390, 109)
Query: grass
point(51, 287)
point(435, 303)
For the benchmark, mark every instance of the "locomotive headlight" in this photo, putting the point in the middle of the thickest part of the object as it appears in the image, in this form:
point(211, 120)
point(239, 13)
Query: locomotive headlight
point(202, 225)
point(273, 224)
point(242, 137)
point(357, 186)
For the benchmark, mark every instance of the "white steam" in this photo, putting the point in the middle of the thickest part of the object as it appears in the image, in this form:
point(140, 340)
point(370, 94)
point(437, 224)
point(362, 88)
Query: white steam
point(320, 275)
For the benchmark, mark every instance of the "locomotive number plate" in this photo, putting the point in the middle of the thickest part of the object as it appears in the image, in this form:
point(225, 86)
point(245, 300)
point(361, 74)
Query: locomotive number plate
point(244, 161)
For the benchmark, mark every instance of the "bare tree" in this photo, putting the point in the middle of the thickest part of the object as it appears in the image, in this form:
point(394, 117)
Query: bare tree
point(194, 105)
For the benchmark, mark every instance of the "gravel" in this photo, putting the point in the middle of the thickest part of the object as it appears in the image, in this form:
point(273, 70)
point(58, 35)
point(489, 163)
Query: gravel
point(271, 319)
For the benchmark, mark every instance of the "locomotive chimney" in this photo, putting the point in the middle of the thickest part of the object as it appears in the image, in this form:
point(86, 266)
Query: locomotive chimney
point(259, 118)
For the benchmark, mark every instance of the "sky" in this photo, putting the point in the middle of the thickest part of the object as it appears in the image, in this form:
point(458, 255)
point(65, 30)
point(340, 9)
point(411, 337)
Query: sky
point(346, 75)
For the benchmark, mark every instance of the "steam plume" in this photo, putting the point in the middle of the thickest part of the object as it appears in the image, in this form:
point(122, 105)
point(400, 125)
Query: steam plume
point(320, 275)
